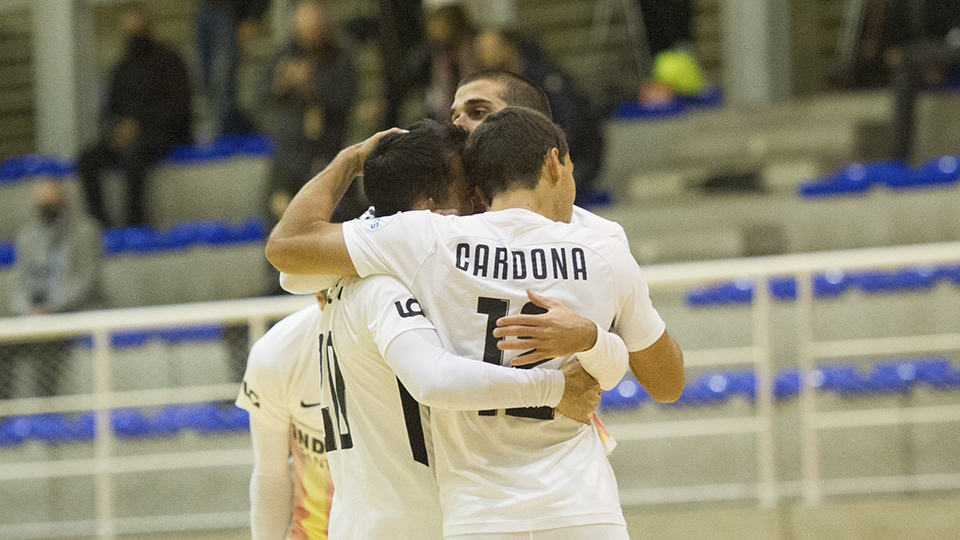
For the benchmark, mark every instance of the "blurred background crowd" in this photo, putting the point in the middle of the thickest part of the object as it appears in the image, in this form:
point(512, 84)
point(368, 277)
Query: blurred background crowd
point(184, 83)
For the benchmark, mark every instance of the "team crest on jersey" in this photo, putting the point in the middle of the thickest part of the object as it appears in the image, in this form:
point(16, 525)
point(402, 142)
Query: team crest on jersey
point(375, 224)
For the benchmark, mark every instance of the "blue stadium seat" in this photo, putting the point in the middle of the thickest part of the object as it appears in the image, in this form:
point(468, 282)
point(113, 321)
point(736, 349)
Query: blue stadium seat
point(935, 172)
point(892, 377)
point(169, 420)
point(853, 179)
point(19, 167)
point(14, 430)
point(628, 394)
point(82, 427)
point(786, 384)
point(8, 254)
point(51, 428)
point(219, 148)
point(252, 145)
point(841, 379)
point(184, 334)
point(234, 419)
point(131, 424)
point(708, 97)
point(124, 339)
point(634, 110)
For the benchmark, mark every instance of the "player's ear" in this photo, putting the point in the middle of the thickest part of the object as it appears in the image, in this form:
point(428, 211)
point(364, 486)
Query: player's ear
point(552, 166)
point(479, 200)
point(424, 203)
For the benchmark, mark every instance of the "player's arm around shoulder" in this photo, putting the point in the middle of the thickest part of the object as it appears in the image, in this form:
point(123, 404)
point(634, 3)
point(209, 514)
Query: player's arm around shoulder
point(659, 368)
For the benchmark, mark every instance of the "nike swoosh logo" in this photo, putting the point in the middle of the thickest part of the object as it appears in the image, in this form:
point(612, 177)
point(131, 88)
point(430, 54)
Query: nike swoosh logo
point(308, 405)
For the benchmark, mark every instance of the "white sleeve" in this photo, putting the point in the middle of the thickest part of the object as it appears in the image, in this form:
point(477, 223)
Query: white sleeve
point(263, 392)
point(271, 487)
point(307, 284)
point(607, 361)
point(636, 320)
point(437, 378)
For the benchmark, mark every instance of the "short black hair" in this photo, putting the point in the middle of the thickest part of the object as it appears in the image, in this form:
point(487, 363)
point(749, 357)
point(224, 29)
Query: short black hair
point(508, 148)
point(404, 167)
point(518, 91)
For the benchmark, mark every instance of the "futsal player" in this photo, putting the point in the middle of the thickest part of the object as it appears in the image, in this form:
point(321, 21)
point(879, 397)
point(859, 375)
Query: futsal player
point(486, 92)
point(281, 393)
point(501, 473)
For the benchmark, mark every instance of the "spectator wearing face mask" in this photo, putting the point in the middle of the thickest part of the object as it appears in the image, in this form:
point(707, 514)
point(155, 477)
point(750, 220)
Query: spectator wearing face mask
point(56, 271)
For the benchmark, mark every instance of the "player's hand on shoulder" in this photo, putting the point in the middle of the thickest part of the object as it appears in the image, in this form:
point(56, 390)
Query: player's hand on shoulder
point(555, 333)
point(581, 393)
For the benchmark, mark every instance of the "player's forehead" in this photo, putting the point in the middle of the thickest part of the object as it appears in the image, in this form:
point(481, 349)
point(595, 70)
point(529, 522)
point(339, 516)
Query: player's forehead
point(480, 90)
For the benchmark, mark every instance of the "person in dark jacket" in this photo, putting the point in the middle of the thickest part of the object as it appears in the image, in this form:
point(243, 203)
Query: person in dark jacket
point(572, 110)
point(309, 90)
point(223, 29)
point(148, 112)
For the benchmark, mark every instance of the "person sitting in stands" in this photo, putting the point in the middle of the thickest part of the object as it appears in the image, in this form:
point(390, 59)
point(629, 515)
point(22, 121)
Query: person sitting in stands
point(148, 112)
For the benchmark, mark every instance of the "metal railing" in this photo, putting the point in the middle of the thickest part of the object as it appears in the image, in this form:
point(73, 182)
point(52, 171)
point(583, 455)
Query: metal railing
point(768, 490)
point(106, 464)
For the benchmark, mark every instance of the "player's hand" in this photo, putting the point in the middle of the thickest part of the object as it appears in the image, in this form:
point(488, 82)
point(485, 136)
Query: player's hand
point(358, 152)
point(558, 332)
point(581, 393)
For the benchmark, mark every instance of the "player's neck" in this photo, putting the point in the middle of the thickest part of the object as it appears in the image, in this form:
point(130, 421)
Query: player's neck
point(532, 200)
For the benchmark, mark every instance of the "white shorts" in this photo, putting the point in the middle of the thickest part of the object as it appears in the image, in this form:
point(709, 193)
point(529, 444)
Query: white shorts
point(582, 532)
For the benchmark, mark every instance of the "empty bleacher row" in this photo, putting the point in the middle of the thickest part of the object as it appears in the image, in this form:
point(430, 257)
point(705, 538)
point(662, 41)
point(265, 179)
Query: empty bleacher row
point(710, 389)
point(222, 180)
point(861, 177)
point(829, 284)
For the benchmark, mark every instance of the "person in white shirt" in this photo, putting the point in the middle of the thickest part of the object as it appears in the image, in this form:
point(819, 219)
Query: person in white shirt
point(521, 471)
point(281, 393)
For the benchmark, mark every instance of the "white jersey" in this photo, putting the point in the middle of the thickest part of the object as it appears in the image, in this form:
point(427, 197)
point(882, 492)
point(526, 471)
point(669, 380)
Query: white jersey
point(378, 437)
point(280, 390)
point(520, 469)
point(604, 226)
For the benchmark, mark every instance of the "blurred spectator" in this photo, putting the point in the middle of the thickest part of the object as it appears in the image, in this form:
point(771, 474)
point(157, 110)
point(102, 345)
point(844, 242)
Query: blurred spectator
point(223, 29)
point(401, 35)
point(889, 25)
point(57, 270)
point(668, 23)
point(309, 88)
point(572, 110)
point(148, 112)
point(452, 55)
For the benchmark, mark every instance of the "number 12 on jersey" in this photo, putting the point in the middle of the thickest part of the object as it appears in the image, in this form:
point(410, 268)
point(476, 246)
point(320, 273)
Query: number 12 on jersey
point(494, 308)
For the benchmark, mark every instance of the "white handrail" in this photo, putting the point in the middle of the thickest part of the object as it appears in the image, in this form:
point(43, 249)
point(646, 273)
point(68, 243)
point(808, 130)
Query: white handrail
point(256, 312)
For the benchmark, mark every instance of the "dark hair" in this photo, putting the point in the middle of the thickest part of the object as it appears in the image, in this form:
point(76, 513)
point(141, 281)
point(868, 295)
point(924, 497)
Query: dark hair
point(404, 167)
point(508, 148)
point(518, 91)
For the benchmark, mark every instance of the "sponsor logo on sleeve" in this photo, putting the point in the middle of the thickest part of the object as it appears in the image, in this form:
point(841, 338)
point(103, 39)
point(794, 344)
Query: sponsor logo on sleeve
point(375, 224)
point(412, 308)
point(251, 395)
